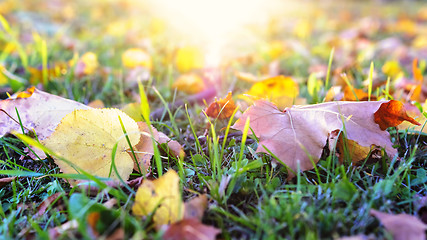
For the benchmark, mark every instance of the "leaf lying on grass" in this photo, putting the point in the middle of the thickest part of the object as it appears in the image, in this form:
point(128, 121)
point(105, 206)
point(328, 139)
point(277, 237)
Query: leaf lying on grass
point(164, 197)
point(299, 134)
point(402, 226)
point(162, 194)
point(38, 110)
point(222, 108)
point(87, 138)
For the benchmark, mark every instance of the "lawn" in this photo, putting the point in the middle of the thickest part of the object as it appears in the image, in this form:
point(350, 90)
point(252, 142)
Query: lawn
point(269, 119)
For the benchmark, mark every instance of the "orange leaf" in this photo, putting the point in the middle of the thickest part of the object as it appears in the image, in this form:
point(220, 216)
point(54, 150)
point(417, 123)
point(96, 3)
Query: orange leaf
point(222, 108)
point(391, 114)
point(27, 93)
point(419, 79)
point(353, 94)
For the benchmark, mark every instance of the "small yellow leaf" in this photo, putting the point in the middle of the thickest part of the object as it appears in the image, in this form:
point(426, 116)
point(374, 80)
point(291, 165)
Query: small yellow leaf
point(86, 138)
point(391, 68)
point(189, 83)
point(280, 90)
point(136, 57)
point(87, 64)
point(162, 195)
point(188, 58)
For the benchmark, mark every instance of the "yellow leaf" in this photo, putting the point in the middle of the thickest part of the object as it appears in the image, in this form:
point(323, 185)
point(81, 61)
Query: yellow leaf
point(280, 90)
point(188, 58)
point(87, 64)
point(189, 83)
point(391, 68)
point(86, 138)
point(162, 195)
point(136, 57)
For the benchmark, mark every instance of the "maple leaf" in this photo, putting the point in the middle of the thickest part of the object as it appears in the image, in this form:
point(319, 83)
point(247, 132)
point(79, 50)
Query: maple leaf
point(402, 226)
point(299, 134)
point(87, 142)
point(37, 110)
point(222, 108)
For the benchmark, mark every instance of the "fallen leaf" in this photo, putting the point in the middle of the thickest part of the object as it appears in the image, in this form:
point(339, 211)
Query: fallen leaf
point(162, 195)
point(41, 209)
point(391, 68)
point(38, 110)
point(354, 94)
point(190, 229)
point(418, 76)
point(300, 133)
point(402, 226)
point(5, 181)
point(222, 108)
point(188, 58)
point(391, 114)
point(174, 147)
point(280, 90)
point(87, 142)
point(135, 57)
point(415, 113)
point(97, 103)
point(189, 83)
point(86, 65)
point(144, 150)
point(196, 207)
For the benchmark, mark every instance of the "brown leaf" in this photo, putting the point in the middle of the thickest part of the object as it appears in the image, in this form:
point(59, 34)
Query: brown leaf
point(5, 181)
point(402, 226)
point(196, 207)
point(222, 108)
point(40, 110)
point(190, 229)
point(144, 149)
point(174, 147)
point(391, 114)
point(299, 133)
point(41, 209)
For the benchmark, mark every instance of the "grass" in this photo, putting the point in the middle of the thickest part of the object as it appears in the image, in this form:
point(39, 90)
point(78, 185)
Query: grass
point(250, 195)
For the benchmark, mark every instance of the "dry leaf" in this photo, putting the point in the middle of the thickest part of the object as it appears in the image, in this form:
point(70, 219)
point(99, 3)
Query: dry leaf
point(38, 110)
point(415, 113)
point(144, 149)
point(41, 209)
point(135, 57)
point(222, 108)
point(300, 133)
point(418, 76)
point(196, 207)
point(87, 64)
point(174, 147)
point(86, 138)
point(392, 114)
point(402, 226)
point(189, 83)
point(5, 181)
point(162, 195)
point(190, 229)
point(280, 90)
